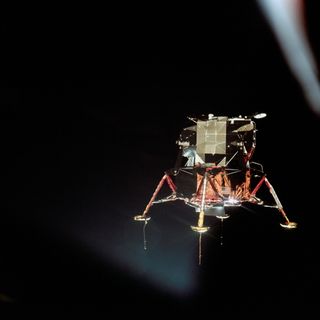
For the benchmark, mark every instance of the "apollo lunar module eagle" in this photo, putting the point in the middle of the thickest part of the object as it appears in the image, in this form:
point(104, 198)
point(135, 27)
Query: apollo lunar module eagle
point(214, 170)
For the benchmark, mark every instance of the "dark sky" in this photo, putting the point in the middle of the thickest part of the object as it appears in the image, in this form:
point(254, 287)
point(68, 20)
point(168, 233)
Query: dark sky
point(91, 107)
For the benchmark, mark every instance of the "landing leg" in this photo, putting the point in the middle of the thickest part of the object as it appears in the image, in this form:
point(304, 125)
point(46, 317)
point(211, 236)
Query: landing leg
point(287, 224)
point(144, 217)
point(200, 228)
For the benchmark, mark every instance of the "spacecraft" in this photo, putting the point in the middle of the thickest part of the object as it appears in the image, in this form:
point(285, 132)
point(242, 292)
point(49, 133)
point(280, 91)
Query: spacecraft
point(214, 171)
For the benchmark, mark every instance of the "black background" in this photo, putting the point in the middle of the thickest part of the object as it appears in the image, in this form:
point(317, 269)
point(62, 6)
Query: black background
point(91, 106)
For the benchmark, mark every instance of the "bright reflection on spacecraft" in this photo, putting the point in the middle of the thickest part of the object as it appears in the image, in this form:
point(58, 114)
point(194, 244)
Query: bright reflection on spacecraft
point(214, 170)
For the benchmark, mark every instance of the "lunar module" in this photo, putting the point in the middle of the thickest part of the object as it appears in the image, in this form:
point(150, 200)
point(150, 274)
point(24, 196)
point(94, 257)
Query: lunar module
point(214, 170)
